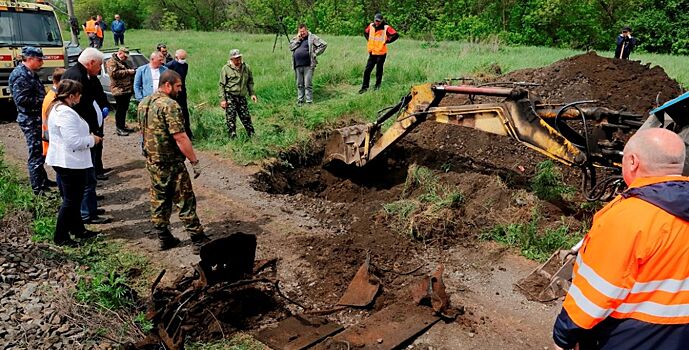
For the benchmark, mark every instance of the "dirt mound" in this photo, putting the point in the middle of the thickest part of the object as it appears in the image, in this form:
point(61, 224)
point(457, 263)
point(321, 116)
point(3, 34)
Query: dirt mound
point(618, 84)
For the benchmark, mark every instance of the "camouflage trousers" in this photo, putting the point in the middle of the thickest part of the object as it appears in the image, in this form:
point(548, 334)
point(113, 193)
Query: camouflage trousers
point(170, 184)
point(237, 106)
point(31, 127)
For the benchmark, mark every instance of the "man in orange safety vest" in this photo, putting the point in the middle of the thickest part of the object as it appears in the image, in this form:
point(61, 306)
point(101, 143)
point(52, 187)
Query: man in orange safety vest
point(378, 34)
point(92, 30)
point(630, 286)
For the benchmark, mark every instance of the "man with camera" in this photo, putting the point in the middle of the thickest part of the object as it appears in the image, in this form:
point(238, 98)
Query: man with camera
point(625, 44)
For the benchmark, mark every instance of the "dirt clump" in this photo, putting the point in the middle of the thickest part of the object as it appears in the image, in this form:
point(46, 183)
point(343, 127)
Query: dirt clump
point(623, 85)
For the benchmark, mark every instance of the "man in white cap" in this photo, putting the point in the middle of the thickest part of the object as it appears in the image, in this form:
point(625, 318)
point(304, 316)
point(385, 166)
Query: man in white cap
point(236, 84)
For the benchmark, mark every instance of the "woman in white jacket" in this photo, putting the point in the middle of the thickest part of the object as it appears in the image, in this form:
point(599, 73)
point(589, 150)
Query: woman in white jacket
point(69, 155)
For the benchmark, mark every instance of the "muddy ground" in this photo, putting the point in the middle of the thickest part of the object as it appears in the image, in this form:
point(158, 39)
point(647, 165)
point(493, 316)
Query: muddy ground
point(322, 222)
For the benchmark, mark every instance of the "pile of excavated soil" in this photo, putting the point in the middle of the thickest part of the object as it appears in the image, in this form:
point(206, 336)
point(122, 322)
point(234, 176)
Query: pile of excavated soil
point(618, 84)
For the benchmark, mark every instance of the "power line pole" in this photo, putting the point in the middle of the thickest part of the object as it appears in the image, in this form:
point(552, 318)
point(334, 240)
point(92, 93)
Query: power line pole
point(73, 24)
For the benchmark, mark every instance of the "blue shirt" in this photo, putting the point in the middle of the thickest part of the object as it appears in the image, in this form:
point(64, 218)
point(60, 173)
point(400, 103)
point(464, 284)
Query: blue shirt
point(117, 27)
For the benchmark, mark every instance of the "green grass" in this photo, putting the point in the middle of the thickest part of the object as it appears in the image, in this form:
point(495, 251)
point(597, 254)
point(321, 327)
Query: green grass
point(237, 342)
point(426, 206)
point(532, 243)
point(281, 124)
point(548, 183)
point(16, 196)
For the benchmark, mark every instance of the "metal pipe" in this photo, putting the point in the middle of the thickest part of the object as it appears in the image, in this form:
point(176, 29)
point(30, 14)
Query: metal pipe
point(473, 90)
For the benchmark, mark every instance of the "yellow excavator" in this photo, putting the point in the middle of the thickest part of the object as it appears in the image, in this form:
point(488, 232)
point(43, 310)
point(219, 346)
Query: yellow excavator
point(596, 147)
point(575, 134)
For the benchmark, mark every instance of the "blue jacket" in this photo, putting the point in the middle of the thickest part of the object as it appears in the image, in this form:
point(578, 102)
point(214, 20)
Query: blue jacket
point(27, 93)
point(629, 333)
point(117, 27)
point(143, 82)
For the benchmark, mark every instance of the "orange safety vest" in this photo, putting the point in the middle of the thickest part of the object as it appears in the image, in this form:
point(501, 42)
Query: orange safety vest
point(90, 27)
point(377, 40)
point(633, 264)
point(49, 97)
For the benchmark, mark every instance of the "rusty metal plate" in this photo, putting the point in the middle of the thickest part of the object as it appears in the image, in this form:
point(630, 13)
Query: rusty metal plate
point(298, 332)
point(362, 289)
point(384, 330)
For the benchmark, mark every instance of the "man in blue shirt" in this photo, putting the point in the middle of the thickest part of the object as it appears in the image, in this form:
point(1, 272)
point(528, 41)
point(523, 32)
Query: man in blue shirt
point(117, 27)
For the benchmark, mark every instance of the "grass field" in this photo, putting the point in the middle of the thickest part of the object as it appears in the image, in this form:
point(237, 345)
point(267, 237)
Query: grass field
point(281, 124)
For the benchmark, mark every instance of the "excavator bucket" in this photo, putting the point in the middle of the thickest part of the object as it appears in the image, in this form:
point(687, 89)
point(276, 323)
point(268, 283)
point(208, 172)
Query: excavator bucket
point(552, 279)
point(348, 145)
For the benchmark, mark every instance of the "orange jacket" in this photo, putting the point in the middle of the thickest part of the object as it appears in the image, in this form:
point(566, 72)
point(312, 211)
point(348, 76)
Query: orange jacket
point(49, 97)
point(634, 262)
point(91, 27)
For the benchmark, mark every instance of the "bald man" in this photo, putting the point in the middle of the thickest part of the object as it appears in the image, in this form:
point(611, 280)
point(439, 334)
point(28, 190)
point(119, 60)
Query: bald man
point(180, 65)
point(630, 286)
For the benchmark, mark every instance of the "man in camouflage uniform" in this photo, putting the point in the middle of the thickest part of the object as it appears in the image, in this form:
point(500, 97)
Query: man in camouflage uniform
point(236, 83)
point(122, 87)
point(28, 93)
point(165, 146)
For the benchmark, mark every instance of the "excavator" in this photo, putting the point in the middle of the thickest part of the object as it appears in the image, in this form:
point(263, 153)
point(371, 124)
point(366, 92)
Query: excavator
point(576, 134)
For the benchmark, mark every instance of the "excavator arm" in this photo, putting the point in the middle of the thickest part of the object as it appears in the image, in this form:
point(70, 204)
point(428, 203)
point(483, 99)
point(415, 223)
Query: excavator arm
point(519, 116)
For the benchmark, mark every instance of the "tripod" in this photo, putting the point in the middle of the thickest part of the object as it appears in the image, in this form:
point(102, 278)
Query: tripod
point(281, 29)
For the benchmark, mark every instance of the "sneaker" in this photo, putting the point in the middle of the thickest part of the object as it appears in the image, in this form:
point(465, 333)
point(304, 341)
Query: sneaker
point(98, 220)
point(67, 243)
point(122, 132)
point(87, 234)
point(168, 242)
point(129, 130)
point(362, 90)
point(101, 177)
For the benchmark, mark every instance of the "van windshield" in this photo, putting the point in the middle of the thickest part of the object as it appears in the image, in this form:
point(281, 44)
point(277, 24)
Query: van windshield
point(35, 28)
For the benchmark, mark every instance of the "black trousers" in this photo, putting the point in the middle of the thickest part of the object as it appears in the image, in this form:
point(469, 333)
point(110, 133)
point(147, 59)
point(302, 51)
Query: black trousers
point(182, 101)
point(373, 60)
point(72, 182)
point(122, 106)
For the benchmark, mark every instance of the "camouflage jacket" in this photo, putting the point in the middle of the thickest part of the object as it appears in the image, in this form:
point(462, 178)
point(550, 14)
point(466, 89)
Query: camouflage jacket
point(159, 118)
point(27, 93)
point(121, 76)
point(238, 82)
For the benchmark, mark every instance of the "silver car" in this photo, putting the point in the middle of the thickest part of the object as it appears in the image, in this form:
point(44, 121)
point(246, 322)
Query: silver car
point(135, 60)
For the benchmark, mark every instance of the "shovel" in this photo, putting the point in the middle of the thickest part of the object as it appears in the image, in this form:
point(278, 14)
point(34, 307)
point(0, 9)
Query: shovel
point(363, 287)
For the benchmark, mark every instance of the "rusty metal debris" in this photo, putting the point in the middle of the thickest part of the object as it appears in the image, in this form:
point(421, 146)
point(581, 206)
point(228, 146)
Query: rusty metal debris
point(431, 290)
point(298, 332)
point(384, 330)
point(363, 288)
point(227, 266)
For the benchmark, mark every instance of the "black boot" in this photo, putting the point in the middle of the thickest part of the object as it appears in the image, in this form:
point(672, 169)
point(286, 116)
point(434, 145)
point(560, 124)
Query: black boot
point(166, 240)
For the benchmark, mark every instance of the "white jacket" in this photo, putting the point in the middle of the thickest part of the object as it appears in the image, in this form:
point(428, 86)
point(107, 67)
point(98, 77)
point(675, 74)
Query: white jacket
point(70, 139)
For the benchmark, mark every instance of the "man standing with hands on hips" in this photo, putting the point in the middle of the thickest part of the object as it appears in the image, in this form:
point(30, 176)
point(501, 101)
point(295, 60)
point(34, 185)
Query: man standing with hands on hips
point(305, 47)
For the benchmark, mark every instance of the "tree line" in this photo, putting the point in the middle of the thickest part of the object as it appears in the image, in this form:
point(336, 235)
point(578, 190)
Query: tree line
point(661, 26)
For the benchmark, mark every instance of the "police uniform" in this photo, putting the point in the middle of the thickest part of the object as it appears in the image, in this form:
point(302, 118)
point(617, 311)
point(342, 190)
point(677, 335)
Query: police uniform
point(160, 117)
point(28, 94)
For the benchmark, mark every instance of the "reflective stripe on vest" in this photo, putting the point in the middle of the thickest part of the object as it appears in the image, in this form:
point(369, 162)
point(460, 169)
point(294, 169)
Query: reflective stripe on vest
point(90, 27)
point(376, 40)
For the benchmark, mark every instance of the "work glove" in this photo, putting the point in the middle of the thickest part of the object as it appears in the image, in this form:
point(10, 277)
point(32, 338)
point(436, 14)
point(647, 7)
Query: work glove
point(105, 111)
point(196, 167)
